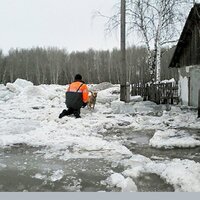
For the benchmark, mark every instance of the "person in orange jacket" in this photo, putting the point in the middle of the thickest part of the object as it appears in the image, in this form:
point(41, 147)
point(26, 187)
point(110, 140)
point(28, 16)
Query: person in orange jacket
point(76, 97)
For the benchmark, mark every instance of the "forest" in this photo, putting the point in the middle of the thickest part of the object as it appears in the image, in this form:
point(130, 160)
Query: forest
point(57, 66)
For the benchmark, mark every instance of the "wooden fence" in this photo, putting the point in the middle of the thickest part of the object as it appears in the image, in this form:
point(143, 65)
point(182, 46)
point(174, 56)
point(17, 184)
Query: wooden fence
point(162, 93)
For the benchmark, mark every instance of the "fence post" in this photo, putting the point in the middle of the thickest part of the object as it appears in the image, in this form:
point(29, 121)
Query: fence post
point(199, 104)
point(132, 89)
point(168, 107)
point(171, 94)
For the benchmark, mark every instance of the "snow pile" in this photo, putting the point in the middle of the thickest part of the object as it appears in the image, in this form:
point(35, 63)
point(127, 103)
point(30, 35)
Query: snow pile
point(22, 83)
point(145, 107)
point(82, 145)
point(37, 92)
point(184, 175)
point(173, 81)
point(18, 85)
point(34, 91)
point(118, 180)
point(101, 86)
point(2, 166)
point(39, 176)
point(57, 175)
point(5, 94)
point(136, 98)
point(12, 89)
point(108, 95)
point(2, 86)
point(173, 138)
point(181, 119)
point(25, 91)
point(135, 165)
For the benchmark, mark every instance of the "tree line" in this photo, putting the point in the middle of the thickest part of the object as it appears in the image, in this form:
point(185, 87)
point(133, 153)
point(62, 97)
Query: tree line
point(57, 66)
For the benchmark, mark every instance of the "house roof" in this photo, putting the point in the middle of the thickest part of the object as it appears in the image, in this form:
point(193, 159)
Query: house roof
point(194, 13)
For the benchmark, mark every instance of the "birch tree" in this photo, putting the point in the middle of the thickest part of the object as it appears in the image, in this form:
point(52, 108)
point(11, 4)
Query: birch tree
point(158, 23)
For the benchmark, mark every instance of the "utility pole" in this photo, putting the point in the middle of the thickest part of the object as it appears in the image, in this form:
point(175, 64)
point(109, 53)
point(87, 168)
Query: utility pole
point(124, 84)
point(199, 104)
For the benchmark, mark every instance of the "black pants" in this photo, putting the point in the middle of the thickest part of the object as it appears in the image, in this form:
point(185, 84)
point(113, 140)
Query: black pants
point(70, 111)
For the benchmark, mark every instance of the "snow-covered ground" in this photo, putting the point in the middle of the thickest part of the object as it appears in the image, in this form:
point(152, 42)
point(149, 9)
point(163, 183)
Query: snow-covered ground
point(29, 116)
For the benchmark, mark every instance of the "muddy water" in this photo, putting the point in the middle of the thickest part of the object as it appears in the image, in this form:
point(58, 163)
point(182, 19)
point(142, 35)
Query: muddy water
point(28, 171)
point(138, 143)
point(23, 169)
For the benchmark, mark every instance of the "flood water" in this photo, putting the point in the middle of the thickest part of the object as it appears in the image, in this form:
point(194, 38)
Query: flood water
point(141, 144)
point(23, 169)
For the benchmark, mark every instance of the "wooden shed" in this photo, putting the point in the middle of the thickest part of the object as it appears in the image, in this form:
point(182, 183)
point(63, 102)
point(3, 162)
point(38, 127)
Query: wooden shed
point(187, 59)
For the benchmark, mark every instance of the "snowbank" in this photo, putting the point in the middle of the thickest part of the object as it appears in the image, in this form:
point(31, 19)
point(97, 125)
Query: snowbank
point(172, 138)
point(118, 180)
point(183, 175)
point(136, 98)
point(18, 85)
point(145, 107)
point(108, 95)
point(101, 86)
point(173, 81)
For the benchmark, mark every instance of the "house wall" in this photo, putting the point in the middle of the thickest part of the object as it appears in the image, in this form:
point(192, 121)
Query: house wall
point(189, 85)
point(194, 86)
point(183, 89)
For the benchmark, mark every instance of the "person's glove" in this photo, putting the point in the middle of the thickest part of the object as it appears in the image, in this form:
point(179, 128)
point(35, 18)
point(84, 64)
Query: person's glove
point(84, 104)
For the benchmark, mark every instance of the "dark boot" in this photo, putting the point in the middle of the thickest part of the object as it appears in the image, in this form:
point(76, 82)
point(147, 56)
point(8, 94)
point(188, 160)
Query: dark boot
point(66, 112)
point(77, 113)
point(63, 113)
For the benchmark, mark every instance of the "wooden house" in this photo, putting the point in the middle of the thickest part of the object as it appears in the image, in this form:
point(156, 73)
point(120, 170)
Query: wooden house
point(187, 59)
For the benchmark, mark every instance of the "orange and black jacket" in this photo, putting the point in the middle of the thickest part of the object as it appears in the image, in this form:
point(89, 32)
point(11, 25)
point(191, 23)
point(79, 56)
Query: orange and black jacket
point(76, 95)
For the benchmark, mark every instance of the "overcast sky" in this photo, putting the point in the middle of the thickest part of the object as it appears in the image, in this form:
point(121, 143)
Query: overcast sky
point(60, 23)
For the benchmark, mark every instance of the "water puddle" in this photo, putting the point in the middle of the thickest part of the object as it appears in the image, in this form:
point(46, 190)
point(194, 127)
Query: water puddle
point(152, 182)
point(138, 143)
point(22, 169)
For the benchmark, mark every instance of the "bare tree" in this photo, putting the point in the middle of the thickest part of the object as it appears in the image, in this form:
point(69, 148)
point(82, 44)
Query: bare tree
point(158, 23)
point(46, 66)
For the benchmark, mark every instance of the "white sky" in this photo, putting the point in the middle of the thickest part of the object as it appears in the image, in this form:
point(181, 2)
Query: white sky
point(61, 23)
